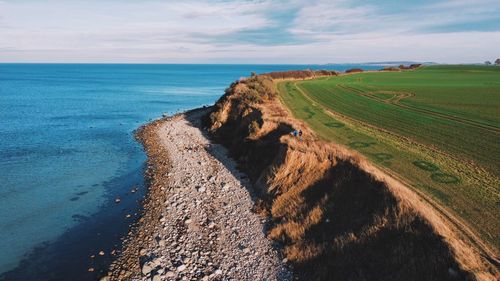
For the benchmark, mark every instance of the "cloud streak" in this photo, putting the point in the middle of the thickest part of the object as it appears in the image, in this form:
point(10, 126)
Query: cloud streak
point(241, 31)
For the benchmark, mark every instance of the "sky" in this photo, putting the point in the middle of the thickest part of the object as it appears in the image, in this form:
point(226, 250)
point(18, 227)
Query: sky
point(238, 31)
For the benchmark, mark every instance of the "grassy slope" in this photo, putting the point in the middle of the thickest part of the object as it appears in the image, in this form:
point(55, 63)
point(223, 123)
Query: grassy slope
point(436, 127)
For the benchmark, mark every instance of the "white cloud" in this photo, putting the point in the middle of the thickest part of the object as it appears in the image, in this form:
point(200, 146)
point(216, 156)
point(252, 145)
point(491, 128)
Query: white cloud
point(191, 31)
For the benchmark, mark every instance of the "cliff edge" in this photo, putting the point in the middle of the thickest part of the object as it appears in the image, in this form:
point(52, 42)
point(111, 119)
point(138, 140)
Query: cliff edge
point(334, 214)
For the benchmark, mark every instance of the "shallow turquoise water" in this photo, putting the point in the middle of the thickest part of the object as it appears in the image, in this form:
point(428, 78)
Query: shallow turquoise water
point(67, 150)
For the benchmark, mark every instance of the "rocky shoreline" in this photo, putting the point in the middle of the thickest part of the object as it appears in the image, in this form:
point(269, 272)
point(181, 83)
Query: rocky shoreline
point(197, 222)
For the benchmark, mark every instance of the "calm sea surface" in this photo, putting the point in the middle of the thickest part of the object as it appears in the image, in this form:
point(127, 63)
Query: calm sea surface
point(67, 151)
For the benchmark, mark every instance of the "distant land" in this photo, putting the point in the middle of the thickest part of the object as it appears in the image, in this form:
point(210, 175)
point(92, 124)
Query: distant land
point(387, 63)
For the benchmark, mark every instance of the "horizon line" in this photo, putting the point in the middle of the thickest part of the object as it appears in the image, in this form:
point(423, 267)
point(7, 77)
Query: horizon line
point(205, 63)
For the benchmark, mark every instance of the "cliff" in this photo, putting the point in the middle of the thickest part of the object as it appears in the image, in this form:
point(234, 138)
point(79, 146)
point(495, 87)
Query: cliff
point(335, 216)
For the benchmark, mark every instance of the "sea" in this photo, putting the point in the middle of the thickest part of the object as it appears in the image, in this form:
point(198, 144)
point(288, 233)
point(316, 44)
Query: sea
point(68, 151)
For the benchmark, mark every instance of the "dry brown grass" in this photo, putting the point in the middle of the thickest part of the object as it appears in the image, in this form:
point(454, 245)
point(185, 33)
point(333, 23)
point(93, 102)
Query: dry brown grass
point(338, 216)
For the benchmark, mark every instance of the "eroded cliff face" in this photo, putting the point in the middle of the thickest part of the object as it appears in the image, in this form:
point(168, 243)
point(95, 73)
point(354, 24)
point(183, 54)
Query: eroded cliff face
point(333, 219)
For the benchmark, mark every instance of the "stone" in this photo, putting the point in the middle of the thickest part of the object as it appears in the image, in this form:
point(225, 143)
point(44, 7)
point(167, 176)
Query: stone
point(156, 262)
point(181, 268)
point(143, 252)
point(117, 200)
point(188, 221)
point(146, 269)
point(218, 272)
point(101, 253)
point(170, 274)
point(105, 278)
point(156, 278)
point(161, 243)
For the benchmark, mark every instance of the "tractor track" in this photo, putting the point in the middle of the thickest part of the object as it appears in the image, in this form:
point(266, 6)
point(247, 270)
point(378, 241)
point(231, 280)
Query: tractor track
point(402, 96)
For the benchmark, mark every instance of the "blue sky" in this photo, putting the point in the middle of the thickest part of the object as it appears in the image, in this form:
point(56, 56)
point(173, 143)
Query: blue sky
point(202, 31)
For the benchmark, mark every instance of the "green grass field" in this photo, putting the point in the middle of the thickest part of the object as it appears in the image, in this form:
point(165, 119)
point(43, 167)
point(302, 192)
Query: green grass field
point(436, 127)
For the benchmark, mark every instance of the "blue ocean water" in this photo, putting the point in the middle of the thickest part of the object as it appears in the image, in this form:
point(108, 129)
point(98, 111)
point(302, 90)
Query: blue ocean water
point(67, 151)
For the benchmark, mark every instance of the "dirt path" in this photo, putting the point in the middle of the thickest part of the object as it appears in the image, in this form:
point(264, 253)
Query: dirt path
point(207, 229)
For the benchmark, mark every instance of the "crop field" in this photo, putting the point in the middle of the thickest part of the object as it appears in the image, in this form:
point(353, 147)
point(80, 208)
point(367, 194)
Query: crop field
point(437, 128)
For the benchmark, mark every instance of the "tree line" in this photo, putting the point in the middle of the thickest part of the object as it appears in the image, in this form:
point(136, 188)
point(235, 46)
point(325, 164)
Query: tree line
point(497, 62)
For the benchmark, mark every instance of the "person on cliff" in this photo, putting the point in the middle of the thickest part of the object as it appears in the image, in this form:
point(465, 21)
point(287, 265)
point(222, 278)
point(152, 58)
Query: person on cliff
point(300, 134)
